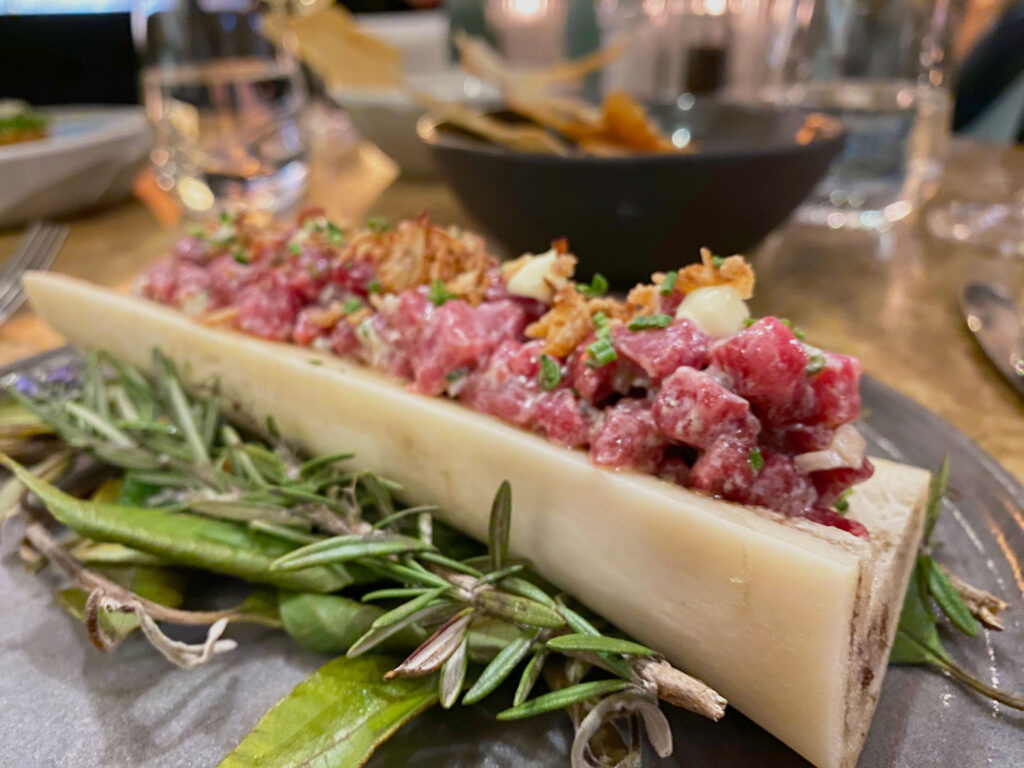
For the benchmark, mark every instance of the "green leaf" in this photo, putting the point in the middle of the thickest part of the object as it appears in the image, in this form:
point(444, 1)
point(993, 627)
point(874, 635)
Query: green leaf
point(105, 553)
point(500, 522)
point(563, 697)
point(597, 644)
point(182, 539)
point(136, 493)
point(453, 675)
point(936, 493)
point(336, 718)
point(501, 666)
point(407, 609)
point(332, 623)
point(948, 598)
point(529, 678)
point(520, 610)
point(917, 639)
point(340, 549)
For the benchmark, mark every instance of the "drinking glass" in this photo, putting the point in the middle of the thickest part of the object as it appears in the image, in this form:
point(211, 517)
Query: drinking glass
point(225, 105)
point(881, 66)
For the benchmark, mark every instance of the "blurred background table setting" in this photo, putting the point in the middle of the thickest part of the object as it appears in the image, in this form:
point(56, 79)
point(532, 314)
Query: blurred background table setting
point(865, 154)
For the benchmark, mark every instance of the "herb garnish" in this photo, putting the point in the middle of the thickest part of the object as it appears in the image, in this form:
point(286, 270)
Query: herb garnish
point(353, 304)
point(335, 234)
point(241, 256)
point(917, 637)
point(815, 363)
point(646, 322)
point(597, 287)
point(669, 283)
point(550, 374)
point(842, 504)
point(756, 459)
point(439, 293)
point(456, 374)
point(602, 351)
point(717, 261)
point(251, 508)
point(373, 286)
point(295, 248)
point(378, 224)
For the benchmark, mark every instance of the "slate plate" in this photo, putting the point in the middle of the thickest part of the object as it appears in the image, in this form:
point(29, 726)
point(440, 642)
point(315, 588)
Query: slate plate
point(62, 703)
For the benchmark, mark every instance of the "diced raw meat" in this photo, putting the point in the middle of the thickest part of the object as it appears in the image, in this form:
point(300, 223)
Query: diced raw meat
point(228, 277)
point(268, 308)
point(794, 439)
point(344, 340)
point(191, 248)
point(693, 408)
point(778, 485)
point(724, 468)
point(826, 516)
point(503, 319)
point(767, 365)
point(836, 391)
point(832, 482)
point(558, 415)
point(596, 384)
point(452, 338)
point(629, 438)
point(660, 351)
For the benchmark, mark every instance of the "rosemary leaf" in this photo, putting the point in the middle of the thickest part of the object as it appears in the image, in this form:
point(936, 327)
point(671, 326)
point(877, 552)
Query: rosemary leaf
point(453, 676)
point(529, 677)
point(428, 615)
point(563, 698)
point(393, 518)
point(102, 426)
point(948, 598)
point(520, 610)
point(409, 608)
point(598, 644)
point(436, 649)
point(524, 588)
point(456, 565)
point(404, 574)
point(283, 532)
point(494, 576)
point(501, 666)
point(391, 593)
point(936, 493)
point(379, 495)
point(308, 467)
point(500, 521)
point(340, 549)
point(183, 412)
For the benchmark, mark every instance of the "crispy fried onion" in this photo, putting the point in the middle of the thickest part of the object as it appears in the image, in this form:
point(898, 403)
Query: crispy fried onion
point(417, 252)
point(182, 654)
point(630, 702)
point(844, 451)
point(565, 326)
point(733, 271)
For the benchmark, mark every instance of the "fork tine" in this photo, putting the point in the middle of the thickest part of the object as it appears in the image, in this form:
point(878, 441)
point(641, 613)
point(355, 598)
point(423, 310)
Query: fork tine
point(39, 253)
point(13, 264)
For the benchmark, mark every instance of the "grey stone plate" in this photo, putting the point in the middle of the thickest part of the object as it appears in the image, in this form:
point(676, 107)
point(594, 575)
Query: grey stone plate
point(62, 703)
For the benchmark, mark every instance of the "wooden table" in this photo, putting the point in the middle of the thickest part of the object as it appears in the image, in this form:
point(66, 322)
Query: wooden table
point(890, 299)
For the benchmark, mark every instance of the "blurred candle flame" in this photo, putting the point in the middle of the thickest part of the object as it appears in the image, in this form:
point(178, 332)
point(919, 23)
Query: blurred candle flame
point(525, 10)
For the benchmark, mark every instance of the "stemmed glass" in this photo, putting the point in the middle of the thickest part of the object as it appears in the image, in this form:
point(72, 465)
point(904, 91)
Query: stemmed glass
point(995, 226)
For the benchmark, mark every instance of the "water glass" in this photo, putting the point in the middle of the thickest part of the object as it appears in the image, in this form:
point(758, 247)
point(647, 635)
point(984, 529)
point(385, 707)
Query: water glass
point(226, 106)
point(882, 67)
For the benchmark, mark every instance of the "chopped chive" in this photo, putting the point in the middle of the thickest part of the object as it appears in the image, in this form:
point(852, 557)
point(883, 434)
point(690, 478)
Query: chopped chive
point(842, 505)
point(749, 321)
point(373, 286)
point(717, 261)
point(646, 322)
point(295, 248)
point(550, 374)
point(756, 460)
point(353, 304)
point(596, 288)
point(455, 374)
point(815, 363)
point(335, 234)
point(439, 294)
point(378, 224)
point(242, 257)
point(197, 231)
point(227, 218)
point(600, 321)
point(602, 352)
point(669, 283)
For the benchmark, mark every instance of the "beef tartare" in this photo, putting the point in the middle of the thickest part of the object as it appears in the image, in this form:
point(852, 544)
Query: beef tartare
point(675, 380)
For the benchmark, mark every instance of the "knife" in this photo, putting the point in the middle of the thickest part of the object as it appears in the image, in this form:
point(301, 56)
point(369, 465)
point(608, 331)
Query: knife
point(995, 320)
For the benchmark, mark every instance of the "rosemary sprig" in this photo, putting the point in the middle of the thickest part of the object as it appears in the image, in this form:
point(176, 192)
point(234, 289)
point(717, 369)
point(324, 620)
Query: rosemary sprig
point(917, 635)
point(178, 453)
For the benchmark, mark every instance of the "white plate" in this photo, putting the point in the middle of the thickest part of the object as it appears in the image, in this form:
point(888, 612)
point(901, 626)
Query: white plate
point(88, 161)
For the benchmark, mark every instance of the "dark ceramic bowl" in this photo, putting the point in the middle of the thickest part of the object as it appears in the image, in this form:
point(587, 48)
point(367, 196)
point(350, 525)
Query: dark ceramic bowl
point(628, 216)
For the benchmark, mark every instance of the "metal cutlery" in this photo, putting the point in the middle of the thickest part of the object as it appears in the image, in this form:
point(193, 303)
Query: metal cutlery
point(37, 250)
point(998, 326)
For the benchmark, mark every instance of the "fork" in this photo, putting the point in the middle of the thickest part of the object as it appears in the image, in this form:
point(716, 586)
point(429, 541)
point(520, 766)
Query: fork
point(37, 250)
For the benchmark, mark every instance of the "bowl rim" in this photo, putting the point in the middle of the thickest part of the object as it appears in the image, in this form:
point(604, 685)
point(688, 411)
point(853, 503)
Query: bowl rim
point(427, 131)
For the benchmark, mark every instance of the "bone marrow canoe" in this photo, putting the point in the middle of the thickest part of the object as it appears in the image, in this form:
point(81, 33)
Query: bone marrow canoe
point(759, 592)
